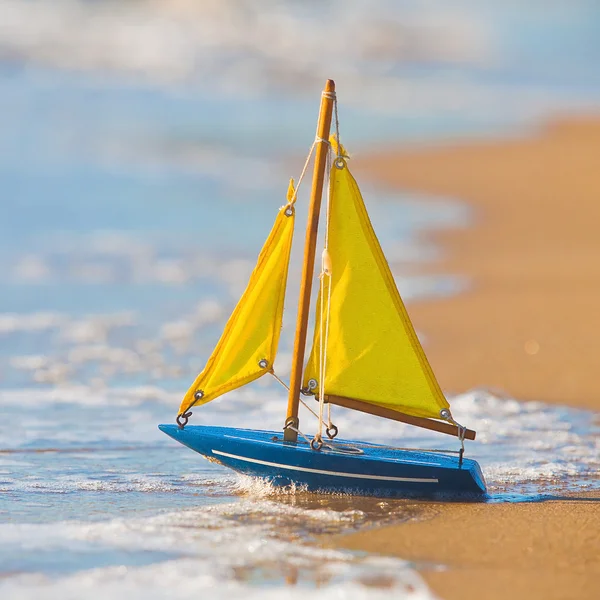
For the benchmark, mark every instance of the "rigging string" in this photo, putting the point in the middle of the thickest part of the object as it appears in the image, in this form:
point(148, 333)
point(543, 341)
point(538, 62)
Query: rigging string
point(332, 96)
point(326, 267)
point(318, 140)
point(297, 430)
point(339, 154)
point(283, 383)
point(287, 387)
point(294, 197)
point(461, 431)
point(324, 322)
point(337, 128)
point(461, 436)
point(359, 445)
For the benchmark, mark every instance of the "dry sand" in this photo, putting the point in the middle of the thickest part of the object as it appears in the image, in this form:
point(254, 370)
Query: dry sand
point(528, 325)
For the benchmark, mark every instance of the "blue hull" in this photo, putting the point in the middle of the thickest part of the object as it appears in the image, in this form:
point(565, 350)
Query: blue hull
point(350, 467)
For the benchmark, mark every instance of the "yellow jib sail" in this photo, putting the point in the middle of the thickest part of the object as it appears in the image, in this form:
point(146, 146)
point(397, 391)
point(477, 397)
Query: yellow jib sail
point(248, 345)
point(373, 353)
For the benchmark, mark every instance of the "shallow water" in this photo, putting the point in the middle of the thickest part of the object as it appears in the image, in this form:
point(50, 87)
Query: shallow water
point(136, 193)
point(131, 511)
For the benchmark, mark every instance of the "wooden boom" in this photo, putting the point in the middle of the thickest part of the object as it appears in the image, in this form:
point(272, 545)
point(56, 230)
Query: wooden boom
point(387, 413)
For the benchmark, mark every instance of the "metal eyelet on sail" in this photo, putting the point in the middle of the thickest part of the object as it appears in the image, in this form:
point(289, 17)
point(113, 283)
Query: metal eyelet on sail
point(309, 388)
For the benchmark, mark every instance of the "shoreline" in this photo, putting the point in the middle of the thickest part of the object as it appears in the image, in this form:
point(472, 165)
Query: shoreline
point(527, 326)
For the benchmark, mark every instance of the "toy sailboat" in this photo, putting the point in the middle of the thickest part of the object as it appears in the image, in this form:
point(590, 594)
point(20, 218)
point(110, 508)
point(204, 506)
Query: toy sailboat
point(365, 356)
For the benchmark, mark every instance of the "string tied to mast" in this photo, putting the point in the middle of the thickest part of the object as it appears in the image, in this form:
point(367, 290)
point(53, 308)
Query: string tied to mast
point(333, 96)
point(293, 193)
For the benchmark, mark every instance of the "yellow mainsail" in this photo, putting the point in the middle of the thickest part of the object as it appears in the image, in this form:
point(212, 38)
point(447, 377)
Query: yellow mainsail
point(372, 352)
point(248, 345)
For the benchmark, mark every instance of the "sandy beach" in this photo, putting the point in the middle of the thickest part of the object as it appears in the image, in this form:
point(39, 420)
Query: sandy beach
point(544, 550)
point(529, 323)
point(528, 326)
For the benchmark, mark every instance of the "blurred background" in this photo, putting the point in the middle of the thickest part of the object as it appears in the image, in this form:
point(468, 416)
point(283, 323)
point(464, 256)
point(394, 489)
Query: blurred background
point(145, 148)
point(145, 145)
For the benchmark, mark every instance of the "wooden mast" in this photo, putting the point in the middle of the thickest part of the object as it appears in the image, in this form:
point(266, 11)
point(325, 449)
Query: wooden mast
point(308, 265)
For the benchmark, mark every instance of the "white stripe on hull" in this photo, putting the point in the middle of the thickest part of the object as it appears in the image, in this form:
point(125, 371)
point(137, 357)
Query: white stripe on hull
point(322, 472)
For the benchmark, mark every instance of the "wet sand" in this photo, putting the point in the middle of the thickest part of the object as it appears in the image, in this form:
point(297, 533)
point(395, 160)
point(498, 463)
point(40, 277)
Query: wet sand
point(529, 326)
point(544, 550)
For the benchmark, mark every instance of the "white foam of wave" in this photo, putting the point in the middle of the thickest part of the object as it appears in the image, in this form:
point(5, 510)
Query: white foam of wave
point(374, 579)
point(242, 49)
point(83, 395)
point(30, 322)
point(32, 268)
point(106, 257)
point(263, 488)
point(114, 481)
point(84, 342)
point(92, 267)
point(240, 550)
point(66, 484)
point(99, 349)
point(517, 442)
point(232, 40)
point(213, 163)
point(93, 328)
